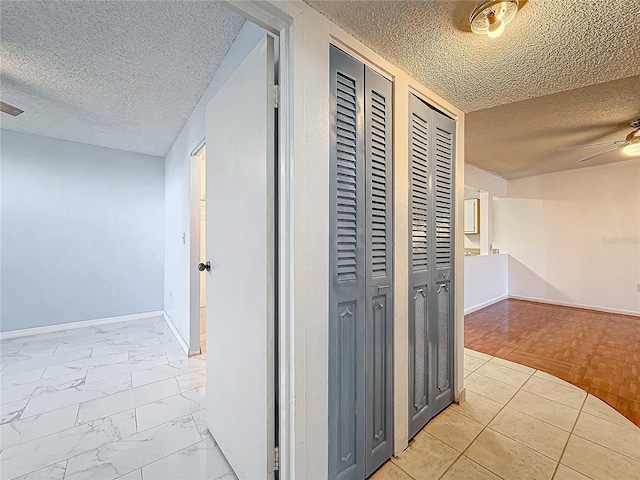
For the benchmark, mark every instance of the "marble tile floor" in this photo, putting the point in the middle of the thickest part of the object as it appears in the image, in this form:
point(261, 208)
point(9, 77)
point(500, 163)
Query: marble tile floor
point(519, 423)
point(113, 401)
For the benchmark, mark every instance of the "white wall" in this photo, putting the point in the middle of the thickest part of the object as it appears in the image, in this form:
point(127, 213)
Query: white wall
point(306, 301)
point(177, 163)
point(82, 231)
point(485, 276)
point(490, 186)
point(485, 281)
point(574, 237)
point(483, 180)
point(304, 243)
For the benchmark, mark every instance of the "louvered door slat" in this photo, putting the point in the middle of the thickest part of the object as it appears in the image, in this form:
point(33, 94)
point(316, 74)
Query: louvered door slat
point(419, 196)
point(377, 141)
point(443, 198)
point(347, 221)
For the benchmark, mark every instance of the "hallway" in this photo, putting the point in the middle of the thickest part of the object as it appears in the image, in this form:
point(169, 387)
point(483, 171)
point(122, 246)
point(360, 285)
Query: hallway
point(122, 401)
point(596, 351)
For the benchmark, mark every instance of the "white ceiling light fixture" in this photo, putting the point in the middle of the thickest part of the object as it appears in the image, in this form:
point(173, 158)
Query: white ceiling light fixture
point(490, 17)
point(633, 148)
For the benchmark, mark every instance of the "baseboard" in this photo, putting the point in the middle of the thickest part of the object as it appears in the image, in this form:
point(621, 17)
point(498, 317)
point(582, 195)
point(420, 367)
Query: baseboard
point(24, 332)
point(461, 397)
point(176, 334)
point(576, 305)
point(482, 305)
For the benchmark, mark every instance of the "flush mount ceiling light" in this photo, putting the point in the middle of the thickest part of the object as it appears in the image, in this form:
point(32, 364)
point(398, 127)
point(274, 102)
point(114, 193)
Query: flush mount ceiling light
point(491, 16)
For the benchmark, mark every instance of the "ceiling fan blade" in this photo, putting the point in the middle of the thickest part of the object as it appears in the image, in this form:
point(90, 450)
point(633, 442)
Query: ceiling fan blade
point(10, 109)
point(575, 147)
point(597, 154)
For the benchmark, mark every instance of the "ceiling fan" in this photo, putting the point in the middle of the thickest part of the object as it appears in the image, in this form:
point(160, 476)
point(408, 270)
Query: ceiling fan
point(10, 109)
point(630, 145)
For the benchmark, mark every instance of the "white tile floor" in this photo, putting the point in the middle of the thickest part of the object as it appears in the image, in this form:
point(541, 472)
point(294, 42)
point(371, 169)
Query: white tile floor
point(114, 401)
point(517, 424)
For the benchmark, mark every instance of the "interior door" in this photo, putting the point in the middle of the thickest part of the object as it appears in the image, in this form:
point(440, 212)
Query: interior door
point(379, 271)
point(347, 310)
point(420, 253)
point(431, 147)
point(361, 267)
point(441, 324)
point(240, 283)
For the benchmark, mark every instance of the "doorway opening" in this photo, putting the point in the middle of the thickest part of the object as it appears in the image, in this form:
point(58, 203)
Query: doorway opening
point(240, 122)
point(198, 240)
point(202, 154)
point(242, 258)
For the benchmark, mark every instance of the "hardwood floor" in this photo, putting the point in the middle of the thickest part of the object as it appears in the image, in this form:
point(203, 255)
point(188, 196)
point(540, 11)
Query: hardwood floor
point(596, 351)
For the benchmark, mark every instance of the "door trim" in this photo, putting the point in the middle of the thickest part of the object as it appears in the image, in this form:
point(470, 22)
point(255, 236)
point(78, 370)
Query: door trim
point(278, 19)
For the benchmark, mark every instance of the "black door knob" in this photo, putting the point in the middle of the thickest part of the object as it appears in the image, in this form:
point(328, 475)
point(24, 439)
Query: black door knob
point(204, 266)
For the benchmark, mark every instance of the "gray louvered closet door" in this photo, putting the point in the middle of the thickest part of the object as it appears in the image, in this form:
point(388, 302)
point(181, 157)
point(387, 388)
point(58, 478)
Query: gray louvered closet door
point(360, 310)
point(379, 288)
point(347, 304)
point(431, 150)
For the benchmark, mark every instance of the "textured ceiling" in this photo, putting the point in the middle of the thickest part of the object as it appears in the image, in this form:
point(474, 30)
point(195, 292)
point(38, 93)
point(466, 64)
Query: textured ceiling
point(551, 46)
point(117, 74)
point(523, 138)
point(553, 61)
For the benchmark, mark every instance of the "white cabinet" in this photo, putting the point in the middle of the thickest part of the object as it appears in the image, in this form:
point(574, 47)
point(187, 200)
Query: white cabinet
point(472, 215)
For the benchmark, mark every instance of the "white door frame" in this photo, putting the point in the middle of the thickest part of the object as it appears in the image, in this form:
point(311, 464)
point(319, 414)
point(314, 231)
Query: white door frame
point(275, 20)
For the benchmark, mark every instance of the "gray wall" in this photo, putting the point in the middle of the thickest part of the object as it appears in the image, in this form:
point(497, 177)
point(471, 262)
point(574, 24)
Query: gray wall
point(81, 233)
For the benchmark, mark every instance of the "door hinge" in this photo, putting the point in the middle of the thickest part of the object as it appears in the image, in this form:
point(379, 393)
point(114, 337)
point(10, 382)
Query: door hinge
point(276, 459)
point(276, 96)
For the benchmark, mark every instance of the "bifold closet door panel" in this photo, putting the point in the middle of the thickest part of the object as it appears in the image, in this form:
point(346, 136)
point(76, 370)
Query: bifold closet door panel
point(347, 308)
point(431, 149)
point(361, 290)
point(441, 330)
point(379, 275)
point(420, 254)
